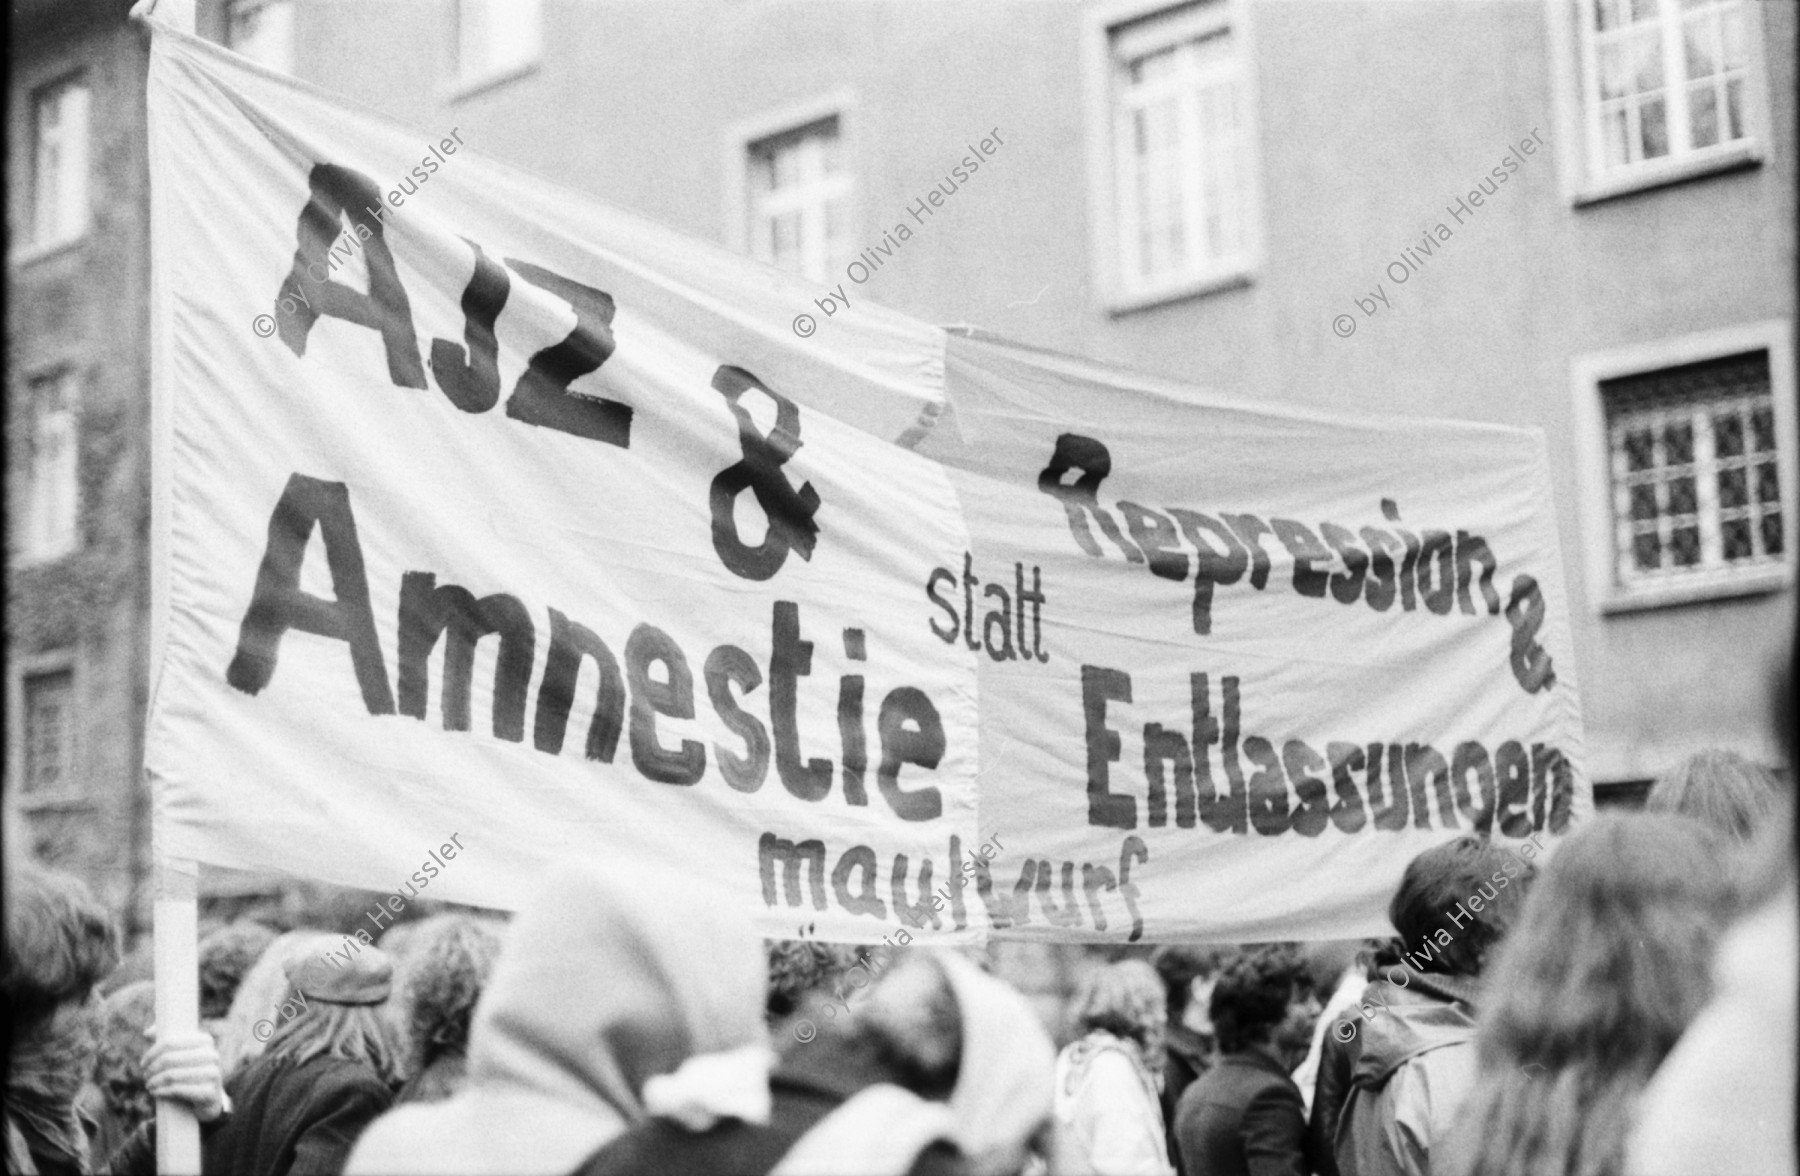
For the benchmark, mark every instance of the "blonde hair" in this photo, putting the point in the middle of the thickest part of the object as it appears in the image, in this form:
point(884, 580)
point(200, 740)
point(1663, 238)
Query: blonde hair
point(1719, 788)
point(1125, 999)
point(264, 987)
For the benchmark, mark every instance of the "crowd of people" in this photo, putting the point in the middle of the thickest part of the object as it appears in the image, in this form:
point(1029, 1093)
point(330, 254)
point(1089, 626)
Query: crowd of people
point(1624, 1006)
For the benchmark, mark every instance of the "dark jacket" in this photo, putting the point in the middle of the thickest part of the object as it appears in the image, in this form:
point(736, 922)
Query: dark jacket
point(811, 1082)
point(1188, 1056)
point(1414, 1068)
point(286, 1120)
point(1337, 1061)
point(1244, 1117)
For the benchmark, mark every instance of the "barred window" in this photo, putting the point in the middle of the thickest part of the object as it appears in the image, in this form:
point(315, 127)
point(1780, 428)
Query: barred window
point(1695, 476)
point(49, 732)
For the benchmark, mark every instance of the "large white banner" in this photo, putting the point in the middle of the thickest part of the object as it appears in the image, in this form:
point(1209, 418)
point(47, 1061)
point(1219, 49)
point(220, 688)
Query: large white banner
point(488, 511)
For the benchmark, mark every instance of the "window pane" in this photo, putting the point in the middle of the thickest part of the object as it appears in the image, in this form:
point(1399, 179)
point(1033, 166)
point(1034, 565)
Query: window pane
point(1735, 533)
point(1734, 109)
point(1768, 483)
point(1728, 435)
point(1771, 533)
point(1684, 547)
point(1734, 488)
point(1681, 496)
point(1646, 61)
point(1731, 30)
point(1606, 14)
point(1647, 551)
point(1700, 40)
point(1703, 111)
point(1656, 131)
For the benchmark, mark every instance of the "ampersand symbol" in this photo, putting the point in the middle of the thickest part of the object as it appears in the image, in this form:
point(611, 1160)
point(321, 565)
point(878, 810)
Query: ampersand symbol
point(790, 512)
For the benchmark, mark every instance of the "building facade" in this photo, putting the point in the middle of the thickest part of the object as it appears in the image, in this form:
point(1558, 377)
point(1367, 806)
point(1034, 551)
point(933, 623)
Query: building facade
point(77, 446)
point(1570, 214)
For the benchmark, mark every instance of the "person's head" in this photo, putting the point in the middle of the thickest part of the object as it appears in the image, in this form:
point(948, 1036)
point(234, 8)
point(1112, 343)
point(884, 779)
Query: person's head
point(226, 956)
point(1125, 999)
point(335, 1011)
point(910, 1020)
point(805, 974)
point(1433, 897)
point(1188, 974)
point(60, 943)
point(616, 973)
point(261, 993)
point(1605, 967)
point(118, 1068)
point(1257, 994)
point(450, 958)
point(1719, 788)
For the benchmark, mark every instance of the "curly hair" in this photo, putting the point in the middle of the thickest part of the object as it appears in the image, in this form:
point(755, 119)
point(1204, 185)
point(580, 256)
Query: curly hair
point(1124, 999)
point(226, 955)
point(799, 966)
point(1606, 967)
point(1180, 965)
point(1252, 995)
point(60, 943)
point(448, 964)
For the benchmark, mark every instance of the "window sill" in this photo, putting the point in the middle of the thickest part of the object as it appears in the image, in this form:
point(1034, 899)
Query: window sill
point(1714, 161)
point(480, 84)
point(1231, 279)
point(31, 254)
point(1761, 582)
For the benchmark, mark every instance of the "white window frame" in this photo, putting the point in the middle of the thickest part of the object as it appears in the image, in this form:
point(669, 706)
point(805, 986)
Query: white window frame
point(1593, 463)
point(469, 81)
point(22, 671)
point(76, 189)
point(1181, 21)
point(235, 7)
point(35, 542)
point(1578, 144)
point(742, 136)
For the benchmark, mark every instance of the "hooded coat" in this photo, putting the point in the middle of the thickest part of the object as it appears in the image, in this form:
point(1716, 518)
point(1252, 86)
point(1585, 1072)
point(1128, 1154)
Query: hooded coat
point(611, 975)
point(1415, 1067)
point(838, 1110)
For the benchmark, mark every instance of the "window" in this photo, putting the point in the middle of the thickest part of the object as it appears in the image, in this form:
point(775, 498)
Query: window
point(1686, 467)
point(1180, 148)
point(263, 31)
point(496, 39)
point(1664, 77)
point(1695, 471)
point(1652, 91)
point(49, 733)
point(54, 496)
point(59, 210)
point(798, 200)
